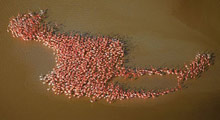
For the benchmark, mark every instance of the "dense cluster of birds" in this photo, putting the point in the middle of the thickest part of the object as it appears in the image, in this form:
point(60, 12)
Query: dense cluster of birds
point(86, 64)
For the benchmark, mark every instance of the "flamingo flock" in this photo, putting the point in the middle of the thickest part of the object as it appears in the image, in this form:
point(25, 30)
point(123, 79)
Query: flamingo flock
point(85, 64)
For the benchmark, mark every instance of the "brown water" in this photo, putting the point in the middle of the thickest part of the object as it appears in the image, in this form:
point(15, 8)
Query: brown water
point(160, 33)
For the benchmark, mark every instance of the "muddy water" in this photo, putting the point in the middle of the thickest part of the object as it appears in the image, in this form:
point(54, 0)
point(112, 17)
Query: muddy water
point(160, 33)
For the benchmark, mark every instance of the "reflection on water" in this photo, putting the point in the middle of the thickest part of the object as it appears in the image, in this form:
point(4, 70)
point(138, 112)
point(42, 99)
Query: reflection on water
point(161, 33)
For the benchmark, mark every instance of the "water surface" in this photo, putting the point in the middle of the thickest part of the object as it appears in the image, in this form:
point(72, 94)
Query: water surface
point(160, 33)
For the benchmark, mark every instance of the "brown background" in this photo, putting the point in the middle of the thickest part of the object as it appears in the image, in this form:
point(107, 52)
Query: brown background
point(160, 33)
